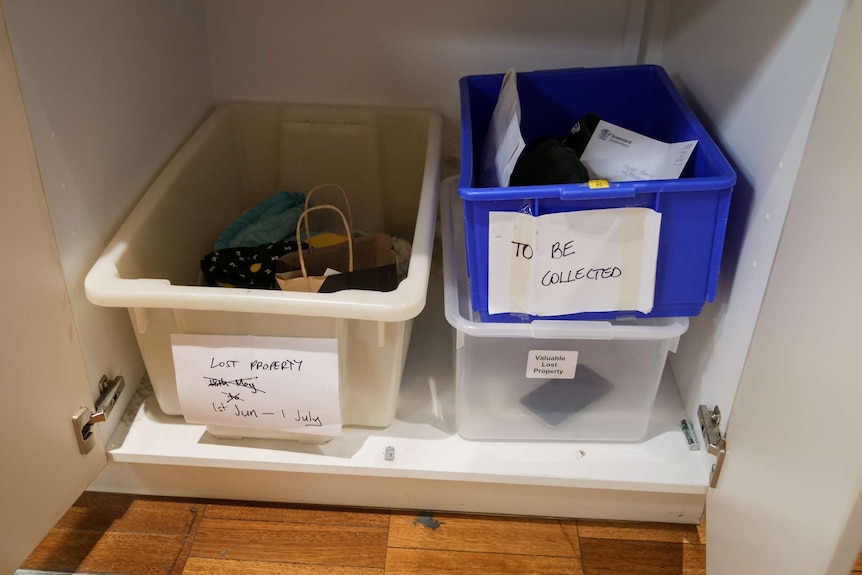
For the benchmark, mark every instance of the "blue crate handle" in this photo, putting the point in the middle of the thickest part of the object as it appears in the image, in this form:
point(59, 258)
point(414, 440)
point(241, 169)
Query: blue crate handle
point(585, 192)
point(566, 192)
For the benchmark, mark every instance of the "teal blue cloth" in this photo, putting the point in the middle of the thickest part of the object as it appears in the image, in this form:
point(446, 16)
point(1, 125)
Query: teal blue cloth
point(270, 221)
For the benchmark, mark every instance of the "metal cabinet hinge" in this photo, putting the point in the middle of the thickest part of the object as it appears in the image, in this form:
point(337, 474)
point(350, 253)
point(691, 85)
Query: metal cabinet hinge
point(109, 393)
point(715, 443)
point(84, 419)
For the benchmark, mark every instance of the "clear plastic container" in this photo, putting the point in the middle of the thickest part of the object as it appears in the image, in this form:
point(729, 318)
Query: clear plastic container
point(548, 380)
point(386, 159)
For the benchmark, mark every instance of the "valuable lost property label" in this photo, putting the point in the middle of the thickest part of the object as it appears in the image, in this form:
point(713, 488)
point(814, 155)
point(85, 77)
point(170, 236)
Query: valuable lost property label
point(550, 364)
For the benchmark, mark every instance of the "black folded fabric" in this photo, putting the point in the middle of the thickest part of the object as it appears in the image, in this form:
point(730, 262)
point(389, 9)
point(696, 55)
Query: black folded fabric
point(548, 161)
point(554, 160)
point(246, 267)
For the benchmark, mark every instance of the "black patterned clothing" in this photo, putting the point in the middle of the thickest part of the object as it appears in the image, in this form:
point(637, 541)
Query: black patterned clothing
point(245, 267)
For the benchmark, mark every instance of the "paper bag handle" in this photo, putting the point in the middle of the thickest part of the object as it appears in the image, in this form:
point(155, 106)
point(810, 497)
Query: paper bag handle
point(346, 204)
point(304, 216)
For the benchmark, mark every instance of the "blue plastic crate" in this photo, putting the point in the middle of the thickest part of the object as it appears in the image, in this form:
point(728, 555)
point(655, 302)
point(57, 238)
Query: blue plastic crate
point(694, 207)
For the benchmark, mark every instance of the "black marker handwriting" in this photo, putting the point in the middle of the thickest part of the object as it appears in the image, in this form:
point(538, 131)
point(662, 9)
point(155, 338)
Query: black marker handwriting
point(241, 382)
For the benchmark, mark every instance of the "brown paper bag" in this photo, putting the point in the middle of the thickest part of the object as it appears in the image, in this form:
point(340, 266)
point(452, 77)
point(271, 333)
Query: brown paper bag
point(295, 281)
point(300, 280)
point(364, 263)
point(346, 209)
point(369, 251)
point(334, 256)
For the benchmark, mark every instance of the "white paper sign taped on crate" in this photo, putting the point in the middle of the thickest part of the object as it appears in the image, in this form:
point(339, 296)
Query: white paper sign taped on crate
point(558, 264)
point(278, 383)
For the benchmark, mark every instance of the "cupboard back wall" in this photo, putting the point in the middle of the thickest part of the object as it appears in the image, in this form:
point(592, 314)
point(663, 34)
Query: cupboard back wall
point(405, 53)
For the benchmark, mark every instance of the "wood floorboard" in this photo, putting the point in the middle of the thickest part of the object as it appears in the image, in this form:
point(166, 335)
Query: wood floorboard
point(631, 557)
point(662, 532)
point(205, 566)
point(290, 542)
point(92, 517)
point(115, 534)
point(445, 562)
point(570, 528)
point(103, 499)
point(479, 534)
point(291, 514)
point(133, 554)
point(694, 559)
point(62, 550)
point(162, 517)
point(185, 552)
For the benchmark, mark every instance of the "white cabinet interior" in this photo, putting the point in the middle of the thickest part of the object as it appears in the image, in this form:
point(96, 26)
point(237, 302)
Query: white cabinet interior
point(120, 85)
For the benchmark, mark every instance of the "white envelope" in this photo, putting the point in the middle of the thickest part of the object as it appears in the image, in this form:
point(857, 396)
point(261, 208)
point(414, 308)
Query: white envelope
point(619, 155)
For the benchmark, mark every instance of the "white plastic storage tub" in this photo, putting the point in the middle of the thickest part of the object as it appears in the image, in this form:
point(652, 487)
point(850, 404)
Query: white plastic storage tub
point(548, 380)
point(386, 159)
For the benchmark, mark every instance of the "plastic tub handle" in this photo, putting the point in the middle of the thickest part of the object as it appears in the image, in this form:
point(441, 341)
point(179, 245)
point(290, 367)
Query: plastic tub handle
point(562, 329)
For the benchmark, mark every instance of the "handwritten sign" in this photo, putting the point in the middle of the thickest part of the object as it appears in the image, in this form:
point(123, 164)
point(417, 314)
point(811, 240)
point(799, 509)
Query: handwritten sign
point(281, 383)
point(557, 264)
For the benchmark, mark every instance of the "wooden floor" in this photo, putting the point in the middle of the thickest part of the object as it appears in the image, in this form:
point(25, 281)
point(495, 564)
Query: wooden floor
point(133, 535)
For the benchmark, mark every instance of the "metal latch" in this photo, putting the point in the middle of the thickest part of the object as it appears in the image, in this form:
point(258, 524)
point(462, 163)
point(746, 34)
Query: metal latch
point(715, 443)
point(84, 419)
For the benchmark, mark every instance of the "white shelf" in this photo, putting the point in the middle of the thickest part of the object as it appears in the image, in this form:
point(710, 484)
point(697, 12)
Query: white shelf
point(429, 450)
point(426, 446)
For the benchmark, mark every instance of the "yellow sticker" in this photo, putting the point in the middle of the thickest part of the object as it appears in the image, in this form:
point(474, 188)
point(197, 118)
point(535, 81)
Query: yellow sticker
point(595, 184)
